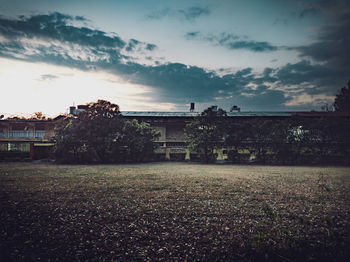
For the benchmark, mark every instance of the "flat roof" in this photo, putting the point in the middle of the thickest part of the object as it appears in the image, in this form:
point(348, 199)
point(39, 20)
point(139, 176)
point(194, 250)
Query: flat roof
point(194, 114)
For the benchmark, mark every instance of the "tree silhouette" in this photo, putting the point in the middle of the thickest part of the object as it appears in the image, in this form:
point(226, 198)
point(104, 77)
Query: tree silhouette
point(342, 100)
point(100, 134)
point(206, 132)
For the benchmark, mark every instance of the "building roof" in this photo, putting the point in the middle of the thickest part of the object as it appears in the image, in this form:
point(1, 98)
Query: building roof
point(21, 120)
point(194, 114)
point(261, 114)
point(159, 114)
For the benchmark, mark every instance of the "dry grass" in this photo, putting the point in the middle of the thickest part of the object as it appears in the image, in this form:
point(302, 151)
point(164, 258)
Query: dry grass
point(174, 211)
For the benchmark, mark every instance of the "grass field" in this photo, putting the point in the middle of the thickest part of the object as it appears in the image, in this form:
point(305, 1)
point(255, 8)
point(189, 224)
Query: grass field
point(174, 212)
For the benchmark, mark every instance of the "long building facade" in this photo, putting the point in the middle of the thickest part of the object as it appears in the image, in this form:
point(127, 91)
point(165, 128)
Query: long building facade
point(30, 138)
point(171, 125)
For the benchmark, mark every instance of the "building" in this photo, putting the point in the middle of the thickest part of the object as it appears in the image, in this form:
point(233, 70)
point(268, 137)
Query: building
point(25, 138)
point(172, 142)
point(30, 138)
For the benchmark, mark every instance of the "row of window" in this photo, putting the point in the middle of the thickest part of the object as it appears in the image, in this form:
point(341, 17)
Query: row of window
point(18, 147)
point(23, 134)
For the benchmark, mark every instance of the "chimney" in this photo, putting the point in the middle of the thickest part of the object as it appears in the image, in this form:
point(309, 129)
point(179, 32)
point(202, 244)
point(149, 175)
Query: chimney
point(192, 107)
point(72, 110)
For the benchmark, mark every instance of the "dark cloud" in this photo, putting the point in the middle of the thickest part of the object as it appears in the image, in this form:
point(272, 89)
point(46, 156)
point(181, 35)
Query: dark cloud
point(317, 6)
point(189, 14)
point(48, 77)
point(192, 35)
point(332, 45)
point(134, 44)
point(55, 26)
point(151, 47)
point(232, 42)
point(131, 45)
point(270, 100)
point(244, 72)
point(80, 18)
point(194, 12)
point(173, 82)
point(323, 78)
point(326, 62)
point(308, 11)
point(252, 46)
point(159, 14)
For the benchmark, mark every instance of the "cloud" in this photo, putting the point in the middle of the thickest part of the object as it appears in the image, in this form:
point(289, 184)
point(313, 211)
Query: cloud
point(323, 78)
point(307, 12)
point(159, 14)
point(55, 26)
point(48, 77)
point(132, 45)
point(194, 12)
point(151, 47)
point(325, 64)
point(232, 41)
point(135, 45)
point(189, 14)
point(81, 18)
point(192, 35)
point(49, 39)
point(332, 45)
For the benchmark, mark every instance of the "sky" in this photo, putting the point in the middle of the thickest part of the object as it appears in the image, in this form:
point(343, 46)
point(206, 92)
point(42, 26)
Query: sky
point(160, 55)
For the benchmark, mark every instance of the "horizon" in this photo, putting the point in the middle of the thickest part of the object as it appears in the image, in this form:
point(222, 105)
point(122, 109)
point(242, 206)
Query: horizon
point(162, 55)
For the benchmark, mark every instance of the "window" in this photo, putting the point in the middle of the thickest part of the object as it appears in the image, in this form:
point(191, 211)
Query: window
point(21, 147)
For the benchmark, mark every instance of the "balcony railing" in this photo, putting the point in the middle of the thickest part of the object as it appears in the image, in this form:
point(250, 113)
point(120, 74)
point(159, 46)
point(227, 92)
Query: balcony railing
point(39, 134)
point(23, 134)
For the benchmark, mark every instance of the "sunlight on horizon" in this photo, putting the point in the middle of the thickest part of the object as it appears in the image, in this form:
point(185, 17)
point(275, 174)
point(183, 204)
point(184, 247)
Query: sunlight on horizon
point(52, 89)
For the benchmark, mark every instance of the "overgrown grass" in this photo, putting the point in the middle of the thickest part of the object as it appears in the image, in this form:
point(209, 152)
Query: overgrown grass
point(174, 212)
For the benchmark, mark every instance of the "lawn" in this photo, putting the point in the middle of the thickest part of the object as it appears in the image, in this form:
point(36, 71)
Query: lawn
point(174, 212)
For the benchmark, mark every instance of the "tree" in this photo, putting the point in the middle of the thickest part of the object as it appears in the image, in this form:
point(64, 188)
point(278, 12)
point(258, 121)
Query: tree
point(69, 147)
point(342, 100)
point(263, 138)
point(90, 136)
point(101, 129)
point(137, 141)
point(325, 140)
point(100, 134)
point(206, 133)
point(38, 116)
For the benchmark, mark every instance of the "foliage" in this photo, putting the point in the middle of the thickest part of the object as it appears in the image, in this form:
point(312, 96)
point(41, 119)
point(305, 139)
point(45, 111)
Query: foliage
point(342, 100)
point(99, 134)
point(206, 132)
point(325, 139)
point(290, 141)
point(38, 116)
point(137, 140)
point(261, 137)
